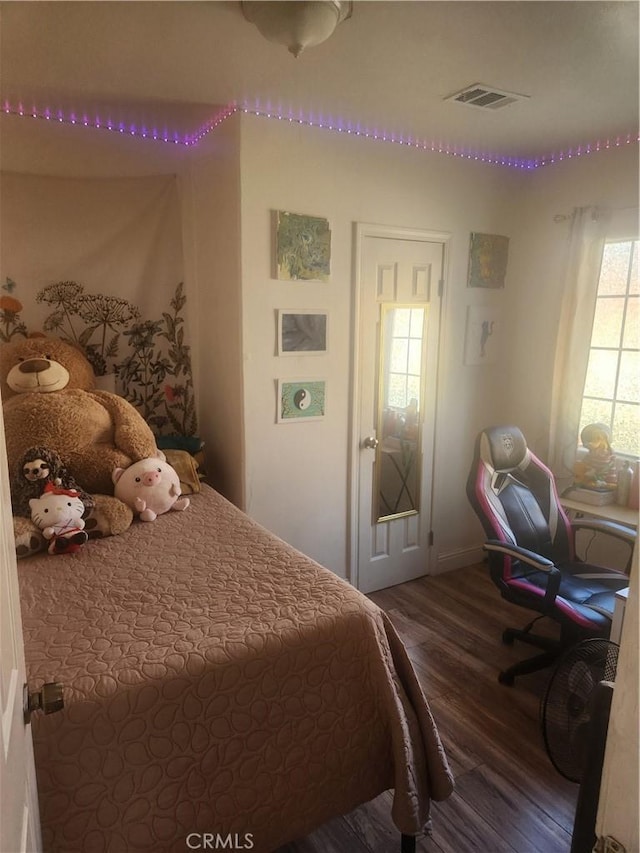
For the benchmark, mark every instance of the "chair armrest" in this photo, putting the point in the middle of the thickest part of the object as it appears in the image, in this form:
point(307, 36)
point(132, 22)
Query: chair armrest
point(611, 528)
point(533, 559)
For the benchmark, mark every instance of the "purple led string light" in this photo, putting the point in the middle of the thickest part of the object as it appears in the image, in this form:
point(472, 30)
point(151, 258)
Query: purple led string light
point(96, 123)
point(335, 126)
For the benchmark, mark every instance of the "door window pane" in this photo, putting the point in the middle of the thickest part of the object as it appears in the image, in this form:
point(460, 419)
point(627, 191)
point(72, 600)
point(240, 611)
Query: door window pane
point(399, 347)
point(401, 320)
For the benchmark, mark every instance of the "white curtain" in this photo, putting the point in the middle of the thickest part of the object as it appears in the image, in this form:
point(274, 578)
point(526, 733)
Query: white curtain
point(584, 256)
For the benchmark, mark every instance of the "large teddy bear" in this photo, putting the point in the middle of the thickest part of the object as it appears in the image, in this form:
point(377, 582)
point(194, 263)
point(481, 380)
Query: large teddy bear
point(48, 397)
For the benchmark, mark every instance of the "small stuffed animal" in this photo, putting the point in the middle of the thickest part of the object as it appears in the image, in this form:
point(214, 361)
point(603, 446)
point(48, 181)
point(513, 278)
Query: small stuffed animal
point(40, 466)
point(150, 487)
point(58, 513)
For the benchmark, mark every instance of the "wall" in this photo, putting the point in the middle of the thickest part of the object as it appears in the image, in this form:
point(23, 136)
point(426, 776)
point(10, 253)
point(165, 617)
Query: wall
point(38, 147)
point(296, 474)
point(210, 188)
point(293, 478)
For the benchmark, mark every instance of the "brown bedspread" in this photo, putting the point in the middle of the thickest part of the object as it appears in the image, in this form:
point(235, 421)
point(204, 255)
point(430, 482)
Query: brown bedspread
point(216, 680)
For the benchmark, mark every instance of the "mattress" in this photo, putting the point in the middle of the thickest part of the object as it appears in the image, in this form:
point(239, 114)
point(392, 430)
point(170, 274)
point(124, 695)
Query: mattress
point(216, 681)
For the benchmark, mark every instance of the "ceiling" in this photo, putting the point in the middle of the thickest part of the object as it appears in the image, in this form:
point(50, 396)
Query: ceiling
point(386, 69)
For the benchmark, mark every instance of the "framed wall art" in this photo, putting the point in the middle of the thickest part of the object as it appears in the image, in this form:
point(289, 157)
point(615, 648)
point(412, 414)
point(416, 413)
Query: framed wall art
point(302, 247)
point(482, 335)
point(303, 332)
point(488, 255)
point(303, 400)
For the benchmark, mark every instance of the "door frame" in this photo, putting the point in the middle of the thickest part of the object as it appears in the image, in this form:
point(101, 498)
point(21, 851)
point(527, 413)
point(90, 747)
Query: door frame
point(362, 230)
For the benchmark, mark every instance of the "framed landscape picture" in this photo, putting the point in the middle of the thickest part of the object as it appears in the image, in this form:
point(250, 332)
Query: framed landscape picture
point(303, 400)
point(303, 247)
point(302, 332)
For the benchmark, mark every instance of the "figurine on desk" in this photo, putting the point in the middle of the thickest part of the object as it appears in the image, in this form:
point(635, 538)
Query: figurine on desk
point(595, 465)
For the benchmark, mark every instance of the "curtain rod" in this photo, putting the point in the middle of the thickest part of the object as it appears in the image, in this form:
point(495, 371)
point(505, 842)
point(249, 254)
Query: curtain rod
point(563, 217)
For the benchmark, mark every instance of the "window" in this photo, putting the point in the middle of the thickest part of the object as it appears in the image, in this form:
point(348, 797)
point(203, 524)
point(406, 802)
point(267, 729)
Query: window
point(612, 387)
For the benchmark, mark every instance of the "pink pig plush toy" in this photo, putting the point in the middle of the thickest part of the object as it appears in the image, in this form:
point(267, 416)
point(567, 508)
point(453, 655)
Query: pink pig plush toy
point(150, 487)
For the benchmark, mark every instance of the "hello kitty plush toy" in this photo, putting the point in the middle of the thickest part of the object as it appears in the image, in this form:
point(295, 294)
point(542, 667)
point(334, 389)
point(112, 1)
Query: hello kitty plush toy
point(58, 514)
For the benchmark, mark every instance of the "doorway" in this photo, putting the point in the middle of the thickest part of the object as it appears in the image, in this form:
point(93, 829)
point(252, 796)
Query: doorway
point(400, 276)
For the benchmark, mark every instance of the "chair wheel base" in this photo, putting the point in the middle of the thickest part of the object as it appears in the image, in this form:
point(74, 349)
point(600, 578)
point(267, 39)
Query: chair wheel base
point(508, 637)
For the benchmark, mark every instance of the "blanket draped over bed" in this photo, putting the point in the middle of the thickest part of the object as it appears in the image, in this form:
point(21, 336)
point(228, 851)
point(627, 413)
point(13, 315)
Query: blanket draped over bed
point(216, 680)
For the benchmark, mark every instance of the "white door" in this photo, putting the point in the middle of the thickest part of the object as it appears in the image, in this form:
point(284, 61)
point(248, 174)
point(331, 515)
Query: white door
point(400, 280)
point(19, 820)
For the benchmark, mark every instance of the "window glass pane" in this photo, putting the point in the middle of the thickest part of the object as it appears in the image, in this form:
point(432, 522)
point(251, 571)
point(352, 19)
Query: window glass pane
point(631, 338)
point(397, 391)
point(415, 356)
point(615, 269)
point(601, 374)
point(417, 320)
point(413, 389)
point(399, 355)
point(634, 287)
point(626, 429)
point(401, 318)
point(629, 378)
point(607, 322)
point(595, 412)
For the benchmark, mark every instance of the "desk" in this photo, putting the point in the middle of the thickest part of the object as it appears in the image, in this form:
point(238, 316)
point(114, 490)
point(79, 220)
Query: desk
point(618, 615)
point(610, 512)
point(595, 548)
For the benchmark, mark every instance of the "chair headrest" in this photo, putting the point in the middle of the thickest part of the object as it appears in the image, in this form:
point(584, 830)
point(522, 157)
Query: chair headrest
point(503, 448)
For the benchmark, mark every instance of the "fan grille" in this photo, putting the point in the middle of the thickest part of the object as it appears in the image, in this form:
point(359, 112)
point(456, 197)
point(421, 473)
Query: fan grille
point(567, 704)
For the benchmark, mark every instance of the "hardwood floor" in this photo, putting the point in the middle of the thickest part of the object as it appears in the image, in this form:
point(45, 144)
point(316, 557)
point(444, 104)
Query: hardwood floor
point(508, 796)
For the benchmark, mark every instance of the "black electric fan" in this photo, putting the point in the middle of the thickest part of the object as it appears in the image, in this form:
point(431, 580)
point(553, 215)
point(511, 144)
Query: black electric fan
point(569, 705)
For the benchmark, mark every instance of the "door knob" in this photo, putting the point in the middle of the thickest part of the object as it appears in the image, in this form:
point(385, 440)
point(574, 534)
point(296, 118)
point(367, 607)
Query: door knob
point(370, 442)
point(48, 699)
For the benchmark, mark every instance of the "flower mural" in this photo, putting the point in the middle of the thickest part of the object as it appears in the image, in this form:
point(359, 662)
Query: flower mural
point(156, 377)
point(10, 308)
point(150, 357)
point(97, 313)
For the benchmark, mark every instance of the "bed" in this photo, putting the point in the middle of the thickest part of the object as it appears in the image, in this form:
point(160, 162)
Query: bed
point(216, 681)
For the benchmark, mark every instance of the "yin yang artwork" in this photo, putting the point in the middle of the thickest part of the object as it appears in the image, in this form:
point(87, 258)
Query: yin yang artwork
point(301, 400)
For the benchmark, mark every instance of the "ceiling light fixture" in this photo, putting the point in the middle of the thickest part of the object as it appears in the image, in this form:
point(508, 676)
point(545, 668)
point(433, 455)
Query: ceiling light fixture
point(297, 24)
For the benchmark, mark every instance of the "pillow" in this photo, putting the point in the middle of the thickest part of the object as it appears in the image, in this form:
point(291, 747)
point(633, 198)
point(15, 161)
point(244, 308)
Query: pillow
point(186, 468)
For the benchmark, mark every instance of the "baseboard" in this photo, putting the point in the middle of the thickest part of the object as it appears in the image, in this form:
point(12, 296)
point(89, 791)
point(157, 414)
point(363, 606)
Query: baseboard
point(458, 559)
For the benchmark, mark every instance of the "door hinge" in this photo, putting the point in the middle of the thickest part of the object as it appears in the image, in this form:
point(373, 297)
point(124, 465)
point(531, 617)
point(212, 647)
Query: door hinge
point(441, 287)
point(431, 537)
point(48, 699)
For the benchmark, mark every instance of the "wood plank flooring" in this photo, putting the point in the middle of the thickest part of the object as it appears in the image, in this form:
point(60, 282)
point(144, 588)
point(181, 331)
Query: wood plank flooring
point(508, 796)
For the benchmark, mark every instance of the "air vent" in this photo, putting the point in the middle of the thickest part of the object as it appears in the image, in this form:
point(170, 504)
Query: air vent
point(485, 97)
